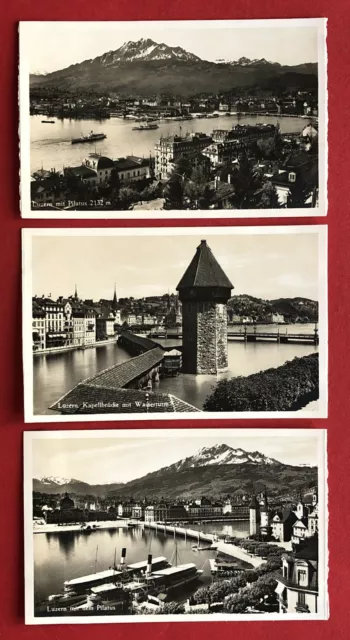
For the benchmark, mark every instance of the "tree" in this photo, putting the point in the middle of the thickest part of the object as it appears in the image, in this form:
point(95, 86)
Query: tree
point(268, 197)
point(247, 182)
point(174, 194)
point(127, 196)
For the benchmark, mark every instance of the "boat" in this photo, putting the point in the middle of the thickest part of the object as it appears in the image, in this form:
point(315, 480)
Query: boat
point(48, 122)
point(91, 137)
point(146, 127)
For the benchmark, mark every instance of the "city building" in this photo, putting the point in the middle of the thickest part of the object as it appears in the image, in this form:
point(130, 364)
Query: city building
point(204, 291)
point(297, 586)
point(265, 528)
point(171, 148)
point(133, 168)
point(55, 334)
point(282, 524)
point(254, 517)
point(221, 152)
point(38, 326)
point(101, 165)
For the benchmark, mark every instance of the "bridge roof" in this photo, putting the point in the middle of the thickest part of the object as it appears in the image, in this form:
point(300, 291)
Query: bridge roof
point(88, 399)
point(119, 375)
point(140, 340)
point(204, 271)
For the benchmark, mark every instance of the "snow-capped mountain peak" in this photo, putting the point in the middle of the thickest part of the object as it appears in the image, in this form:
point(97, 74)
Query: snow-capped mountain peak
point(146, 49)
point(54, 480)
point(222, 454)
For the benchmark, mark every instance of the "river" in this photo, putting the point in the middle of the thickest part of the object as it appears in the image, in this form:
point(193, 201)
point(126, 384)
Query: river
point(55, 374)
point(66, 555)
point(51, 147)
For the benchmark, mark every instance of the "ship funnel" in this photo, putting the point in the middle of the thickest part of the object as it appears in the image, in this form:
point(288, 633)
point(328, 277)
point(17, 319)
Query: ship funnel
point(149, 565)
point(123, 556)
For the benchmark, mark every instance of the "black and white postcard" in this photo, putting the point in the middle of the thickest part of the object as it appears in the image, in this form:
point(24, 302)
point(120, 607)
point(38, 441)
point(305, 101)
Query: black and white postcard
point(147, 525)
point(174, 323)
point(158, 119)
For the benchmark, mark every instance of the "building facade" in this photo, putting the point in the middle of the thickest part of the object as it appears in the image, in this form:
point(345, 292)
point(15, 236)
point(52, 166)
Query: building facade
point(170, 149)
point(297, 586)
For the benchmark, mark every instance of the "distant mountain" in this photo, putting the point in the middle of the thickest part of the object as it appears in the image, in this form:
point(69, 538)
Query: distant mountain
point(291, 308)
point(212, 471)
point(61, 485)
point(148, 68)
point(146, 49)
point(220, 454)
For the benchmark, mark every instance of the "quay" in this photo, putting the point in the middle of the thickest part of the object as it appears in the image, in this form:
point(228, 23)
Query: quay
point(224, 548)
point(74, 347)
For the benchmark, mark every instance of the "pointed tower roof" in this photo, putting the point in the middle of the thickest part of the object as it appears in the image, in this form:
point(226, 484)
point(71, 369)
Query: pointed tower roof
point(76, 293)
point(254, 504)
point(204, 271)
point(265, 505)
point(115, 299)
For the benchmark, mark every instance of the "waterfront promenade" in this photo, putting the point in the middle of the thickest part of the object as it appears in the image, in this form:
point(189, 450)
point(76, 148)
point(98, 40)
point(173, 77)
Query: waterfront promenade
point(62, 528)
point(230, 550)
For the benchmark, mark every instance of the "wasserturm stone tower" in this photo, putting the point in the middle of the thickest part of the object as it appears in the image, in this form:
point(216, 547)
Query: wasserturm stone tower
point(204, 290)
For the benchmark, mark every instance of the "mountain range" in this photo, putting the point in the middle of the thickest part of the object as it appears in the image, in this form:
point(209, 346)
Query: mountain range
point(146, 67)
point(212, 471)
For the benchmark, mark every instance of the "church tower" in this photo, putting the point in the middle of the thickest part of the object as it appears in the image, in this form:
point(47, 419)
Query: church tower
point(204, 290)
point(115, 299)
point(264, 517)
point(254, 516)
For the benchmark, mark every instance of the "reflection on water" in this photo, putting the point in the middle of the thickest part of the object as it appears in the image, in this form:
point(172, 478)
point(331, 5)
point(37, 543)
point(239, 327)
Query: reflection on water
point(56, 374)
point(51, 146)
point(63, 556)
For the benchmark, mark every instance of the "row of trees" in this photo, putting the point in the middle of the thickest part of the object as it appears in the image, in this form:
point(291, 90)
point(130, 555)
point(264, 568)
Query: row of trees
point(286, 388)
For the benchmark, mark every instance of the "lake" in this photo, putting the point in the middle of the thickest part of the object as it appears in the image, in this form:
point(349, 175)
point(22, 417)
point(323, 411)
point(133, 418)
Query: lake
point(51, 147)
point(66, 555)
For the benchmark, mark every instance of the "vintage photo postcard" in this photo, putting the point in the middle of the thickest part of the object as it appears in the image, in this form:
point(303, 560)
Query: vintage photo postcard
point(195, 524)
point(158, 119)
point(173, 323)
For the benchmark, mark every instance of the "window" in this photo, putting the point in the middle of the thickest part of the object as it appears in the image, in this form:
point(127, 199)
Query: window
point(292, 177)
point(302, 577)
point(301, 598)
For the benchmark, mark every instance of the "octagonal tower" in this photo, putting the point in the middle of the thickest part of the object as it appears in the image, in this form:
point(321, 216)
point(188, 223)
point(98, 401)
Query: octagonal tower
point(204, 290)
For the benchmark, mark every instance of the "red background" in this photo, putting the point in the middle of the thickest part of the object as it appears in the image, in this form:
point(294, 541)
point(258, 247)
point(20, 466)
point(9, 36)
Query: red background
point(11, 400)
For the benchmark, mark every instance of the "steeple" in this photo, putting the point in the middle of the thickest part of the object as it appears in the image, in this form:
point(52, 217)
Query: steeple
point(76, 293)
point(115, 299)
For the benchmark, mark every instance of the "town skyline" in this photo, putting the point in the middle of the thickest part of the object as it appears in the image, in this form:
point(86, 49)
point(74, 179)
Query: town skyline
point(260, 265)
point(94, 459)
point(228, 42)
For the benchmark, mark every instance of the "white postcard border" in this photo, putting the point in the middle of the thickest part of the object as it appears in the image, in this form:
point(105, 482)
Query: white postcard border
point(28, 234)
point(24, 126)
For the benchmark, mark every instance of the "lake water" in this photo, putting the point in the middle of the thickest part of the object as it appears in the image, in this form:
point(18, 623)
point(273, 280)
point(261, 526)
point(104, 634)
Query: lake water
point(56, 374)
point(66, 555)
point(51, 147)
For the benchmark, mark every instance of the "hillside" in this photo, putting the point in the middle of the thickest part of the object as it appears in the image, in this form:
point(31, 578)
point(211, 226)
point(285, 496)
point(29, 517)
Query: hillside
point(293, 309)
point(149, 68)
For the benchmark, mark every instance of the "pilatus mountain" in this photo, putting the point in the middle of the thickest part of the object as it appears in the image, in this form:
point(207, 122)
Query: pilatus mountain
point(213, 471)
point(149, 68)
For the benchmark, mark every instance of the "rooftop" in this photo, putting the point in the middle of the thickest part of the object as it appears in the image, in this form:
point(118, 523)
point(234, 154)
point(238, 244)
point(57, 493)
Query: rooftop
point(87, 399)
point(204, 271)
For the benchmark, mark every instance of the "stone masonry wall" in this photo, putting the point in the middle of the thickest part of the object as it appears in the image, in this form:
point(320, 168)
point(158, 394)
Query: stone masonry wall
point(211, 337)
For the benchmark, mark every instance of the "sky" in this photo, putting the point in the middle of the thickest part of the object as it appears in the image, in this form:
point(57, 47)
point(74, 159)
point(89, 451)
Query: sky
point(56, 45)
point(267, 266)
point(117, 459)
